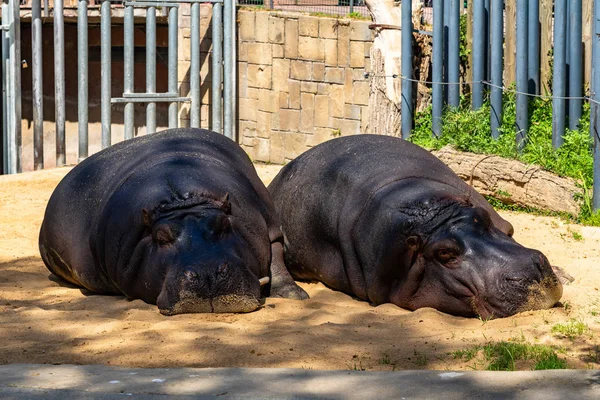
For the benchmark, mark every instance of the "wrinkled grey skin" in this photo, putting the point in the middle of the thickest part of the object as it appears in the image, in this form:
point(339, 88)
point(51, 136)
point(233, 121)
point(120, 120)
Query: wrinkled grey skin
point(179, 219)
point(384, 220)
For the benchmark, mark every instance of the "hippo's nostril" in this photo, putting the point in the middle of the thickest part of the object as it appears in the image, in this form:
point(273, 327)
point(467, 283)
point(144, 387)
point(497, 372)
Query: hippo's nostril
point(514, 279)
point(223, 269)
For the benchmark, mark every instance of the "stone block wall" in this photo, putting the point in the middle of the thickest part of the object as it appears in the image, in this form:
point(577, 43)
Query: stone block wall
point(301, 81)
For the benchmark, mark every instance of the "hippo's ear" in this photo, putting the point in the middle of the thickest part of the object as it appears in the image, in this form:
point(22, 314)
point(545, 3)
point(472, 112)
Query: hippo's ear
point(226, 204)
point(147, 216)
point(414, 244)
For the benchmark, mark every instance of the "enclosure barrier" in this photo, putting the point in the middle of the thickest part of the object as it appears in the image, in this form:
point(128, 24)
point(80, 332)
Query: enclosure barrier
point(223, 36)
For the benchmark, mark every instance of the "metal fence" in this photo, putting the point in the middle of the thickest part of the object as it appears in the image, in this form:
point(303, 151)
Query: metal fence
point(223, 73)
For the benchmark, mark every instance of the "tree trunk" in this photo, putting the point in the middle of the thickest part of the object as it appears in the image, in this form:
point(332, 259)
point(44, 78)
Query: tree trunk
point(513, 182)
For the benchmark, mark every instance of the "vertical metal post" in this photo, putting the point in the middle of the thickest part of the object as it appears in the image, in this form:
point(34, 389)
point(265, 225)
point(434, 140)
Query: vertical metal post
point(105, 72)
point(486, 39)
point(497, 41)
point(37, 84)
point(59, 82)
point(151, 67)
point(128, 71)
point(559, 73)
point(228, 78)
point(217, 65)
point(478, 53)
point(522, 99)
point(351, 6)
point(575, 64)
point(15, 77)
point(533, 40)
point(595, 107)
point(82, 73)
point(195, 66)
point(46, 8)
point(438, 67)
point(6, 96)
point(454, 54)
point(234, 70)
point(407, 55)
point(173, 32)
point(446, 12)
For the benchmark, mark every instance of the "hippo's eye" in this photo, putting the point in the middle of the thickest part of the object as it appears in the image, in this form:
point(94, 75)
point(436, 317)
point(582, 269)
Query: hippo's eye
point(164, 236)
point(446, 255)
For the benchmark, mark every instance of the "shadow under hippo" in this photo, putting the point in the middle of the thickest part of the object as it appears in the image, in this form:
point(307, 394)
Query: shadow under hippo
point(382, 219)
point(179, 219)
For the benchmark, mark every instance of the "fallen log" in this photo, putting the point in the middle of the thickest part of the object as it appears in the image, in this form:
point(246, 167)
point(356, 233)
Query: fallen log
point(512, 181)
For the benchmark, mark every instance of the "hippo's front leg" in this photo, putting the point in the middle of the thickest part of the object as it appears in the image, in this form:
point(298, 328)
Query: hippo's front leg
point(282, 283)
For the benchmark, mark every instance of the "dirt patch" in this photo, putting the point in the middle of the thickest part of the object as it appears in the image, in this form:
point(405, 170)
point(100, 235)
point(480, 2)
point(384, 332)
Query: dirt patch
point(46, 321)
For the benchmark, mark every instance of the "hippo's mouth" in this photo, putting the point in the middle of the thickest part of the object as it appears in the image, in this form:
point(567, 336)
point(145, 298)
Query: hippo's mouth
point(229, 303)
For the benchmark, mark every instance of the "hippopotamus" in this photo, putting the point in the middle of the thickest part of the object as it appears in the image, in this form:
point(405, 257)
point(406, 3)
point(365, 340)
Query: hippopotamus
point(179, 219)
point(384, 220)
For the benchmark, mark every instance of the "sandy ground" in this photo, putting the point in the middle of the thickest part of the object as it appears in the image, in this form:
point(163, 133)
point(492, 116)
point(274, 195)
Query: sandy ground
point(46, 321)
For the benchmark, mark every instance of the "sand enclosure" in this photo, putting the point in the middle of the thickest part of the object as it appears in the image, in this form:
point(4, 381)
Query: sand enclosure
point(46, 321)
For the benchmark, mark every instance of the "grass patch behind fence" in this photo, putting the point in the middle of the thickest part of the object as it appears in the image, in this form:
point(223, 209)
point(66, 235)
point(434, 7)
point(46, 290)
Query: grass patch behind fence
point(469, 130)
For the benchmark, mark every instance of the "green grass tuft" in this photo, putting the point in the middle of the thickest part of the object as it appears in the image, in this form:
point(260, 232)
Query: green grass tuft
point(571, 329)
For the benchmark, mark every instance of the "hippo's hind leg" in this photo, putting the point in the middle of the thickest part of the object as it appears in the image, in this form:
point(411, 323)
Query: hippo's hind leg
point(282, 283)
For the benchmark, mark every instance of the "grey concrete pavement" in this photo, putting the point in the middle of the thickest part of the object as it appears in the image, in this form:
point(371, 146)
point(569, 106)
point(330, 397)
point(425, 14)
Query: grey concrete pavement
point(97, 382)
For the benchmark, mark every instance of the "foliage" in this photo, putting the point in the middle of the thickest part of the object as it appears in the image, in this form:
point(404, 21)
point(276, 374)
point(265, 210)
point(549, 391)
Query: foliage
point(571, 329)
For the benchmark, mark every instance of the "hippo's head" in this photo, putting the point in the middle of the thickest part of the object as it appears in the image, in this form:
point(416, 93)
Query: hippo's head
point(460, 263)
point(207, 266)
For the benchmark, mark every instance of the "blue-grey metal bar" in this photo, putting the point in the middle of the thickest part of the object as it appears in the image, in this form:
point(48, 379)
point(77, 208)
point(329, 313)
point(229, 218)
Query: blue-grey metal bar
point(173, 32)
point(559, 73)
point(486, 39)
point(497, 50)
point(407, 55)
point(454, 53)
point(105, 72)
point(37, 84)
point(533, 47)
point(195, 66)
point(128, 73)
point(446, 13)
point(479, 53)
point(15, 75)
point(171, 99)
point(217, 67)
point(59, 82)
point(228, 78)
point(151, 67)
point(5, 90)
point(522, 99)
point(82, 73)
point(351, 6)
point(595, 108)
point(575, 64)
point(438, 67)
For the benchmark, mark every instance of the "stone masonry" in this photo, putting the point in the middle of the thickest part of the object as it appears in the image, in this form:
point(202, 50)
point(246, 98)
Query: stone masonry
point(301, 81)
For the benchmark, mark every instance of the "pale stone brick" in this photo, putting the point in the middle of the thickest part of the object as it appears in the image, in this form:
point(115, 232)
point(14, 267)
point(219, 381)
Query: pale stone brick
point(291, 39)
point(259, 76)
point(248, 132)
point(205, 95)
point(183, 70)
point(253, 93)
point(184, 89)
point(268, 100)
point(260, 53)
point(318, 71)
point(321, 110)
point(336, 101)
point(359, 30)
point(246, 25)
point(295, 144)
point(343, 45)
point(308, 26)
point(294, 91)
point(284, 99)
point(350, 127)
point(281, 74)
point(185, 10)
point(289, 120)
point(323, 88)
point(348, 84)
point(276, 29)
point(262, 150)
point(243, 51)
point(307, 112)
point(364, 118)
point(352, 111)
point(358, 74)
point(261, 27)
point(308, 87)
point(263, 124)
point(368, 46)
point(319, 136)
point(331, 52)
point(361, 93)
point(334, 75)
point(357, 57)
point(301, 70)
point(184, 21)
point(311, 49)
point(328, 28)
point(242, 79)
point(275, 121)
point(278, 51)
point(186, 32)
point(277, 148)
point(248, 109)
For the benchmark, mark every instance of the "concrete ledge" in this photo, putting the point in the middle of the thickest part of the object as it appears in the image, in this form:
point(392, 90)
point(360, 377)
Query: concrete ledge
point(102, 382)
